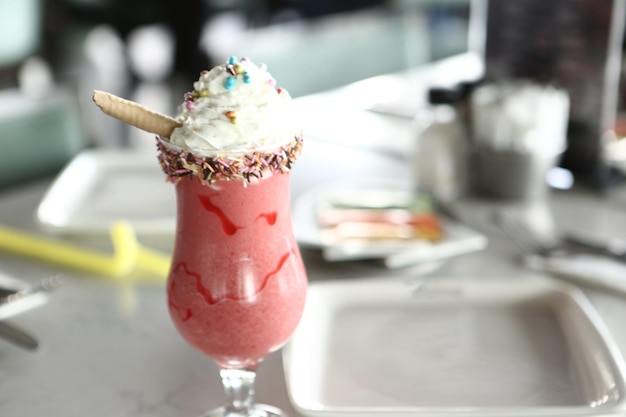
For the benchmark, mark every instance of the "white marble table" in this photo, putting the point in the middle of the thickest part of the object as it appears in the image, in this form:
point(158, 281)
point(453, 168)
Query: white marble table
point(111, 350)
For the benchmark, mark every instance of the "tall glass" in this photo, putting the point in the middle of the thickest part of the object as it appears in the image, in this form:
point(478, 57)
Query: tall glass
point(237, 284)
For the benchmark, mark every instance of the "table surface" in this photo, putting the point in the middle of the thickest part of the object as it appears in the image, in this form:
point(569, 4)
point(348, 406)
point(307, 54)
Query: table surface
point(109, 348)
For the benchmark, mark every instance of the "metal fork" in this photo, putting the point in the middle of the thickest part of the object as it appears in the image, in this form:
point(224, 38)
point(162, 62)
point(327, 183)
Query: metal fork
point(45, 285)
point(533, 243)
point(553, 257)
point(11, 299)
point(530, 242)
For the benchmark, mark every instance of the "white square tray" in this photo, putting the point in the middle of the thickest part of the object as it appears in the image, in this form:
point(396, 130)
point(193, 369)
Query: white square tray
point(458, 238)
point(452, 348)
point(101, 186)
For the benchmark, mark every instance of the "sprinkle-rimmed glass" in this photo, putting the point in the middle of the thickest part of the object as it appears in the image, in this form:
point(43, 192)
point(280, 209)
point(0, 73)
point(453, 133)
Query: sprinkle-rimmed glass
point(237, 284)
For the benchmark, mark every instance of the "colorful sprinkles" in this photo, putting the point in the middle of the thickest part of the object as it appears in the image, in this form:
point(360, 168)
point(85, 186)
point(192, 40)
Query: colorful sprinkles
point(232, 116)
point(229, 84)
point(235, 69)
point(178, 164)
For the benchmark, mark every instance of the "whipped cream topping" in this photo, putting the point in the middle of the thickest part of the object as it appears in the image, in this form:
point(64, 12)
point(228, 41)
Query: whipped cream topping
point(235, 108)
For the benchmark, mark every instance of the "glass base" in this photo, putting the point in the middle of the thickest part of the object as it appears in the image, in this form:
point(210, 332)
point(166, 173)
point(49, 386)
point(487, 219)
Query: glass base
point(257, 410)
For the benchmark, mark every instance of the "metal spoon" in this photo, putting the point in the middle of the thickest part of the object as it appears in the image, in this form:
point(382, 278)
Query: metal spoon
point(17, 336)
point(12, 299)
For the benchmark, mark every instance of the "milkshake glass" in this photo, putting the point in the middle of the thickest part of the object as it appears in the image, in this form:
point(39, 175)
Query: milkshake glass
point(237, 284)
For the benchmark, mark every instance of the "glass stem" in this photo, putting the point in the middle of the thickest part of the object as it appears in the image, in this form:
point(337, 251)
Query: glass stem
point(239, 388)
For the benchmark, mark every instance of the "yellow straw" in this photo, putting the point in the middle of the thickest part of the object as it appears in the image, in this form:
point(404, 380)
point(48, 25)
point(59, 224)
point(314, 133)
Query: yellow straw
point(153, 262)
point(128, 253)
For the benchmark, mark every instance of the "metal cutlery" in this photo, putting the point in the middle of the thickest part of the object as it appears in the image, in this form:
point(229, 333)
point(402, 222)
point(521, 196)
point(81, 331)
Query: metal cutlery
point(13, 301)
point(573, 260)
point(532, 242)
point(518, 230)
point(17, 336)
point(43, 286)
point(614, 248)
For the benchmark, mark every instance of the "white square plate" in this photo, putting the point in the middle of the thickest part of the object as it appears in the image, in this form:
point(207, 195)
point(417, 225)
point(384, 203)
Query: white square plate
point(99, 187)
point(448, 347)
point(457, 239)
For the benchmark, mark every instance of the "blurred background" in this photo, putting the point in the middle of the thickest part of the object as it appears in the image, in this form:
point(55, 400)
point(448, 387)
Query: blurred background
point(54, 53)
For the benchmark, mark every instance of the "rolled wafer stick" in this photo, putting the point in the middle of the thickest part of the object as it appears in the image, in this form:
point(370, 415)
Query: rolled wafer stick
point(135, 114)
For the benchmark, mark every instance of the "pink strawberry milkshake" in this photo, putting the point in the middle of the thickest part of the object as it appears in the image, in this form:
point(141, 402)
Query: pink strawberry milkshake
point(237, 284)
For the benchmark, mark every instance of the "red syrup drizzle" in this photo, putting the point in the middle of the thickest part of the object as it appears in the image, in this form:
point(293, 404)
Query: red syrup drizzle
point(270, 217)
point(185, 313)
point(206, 293)
point(227, 225)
